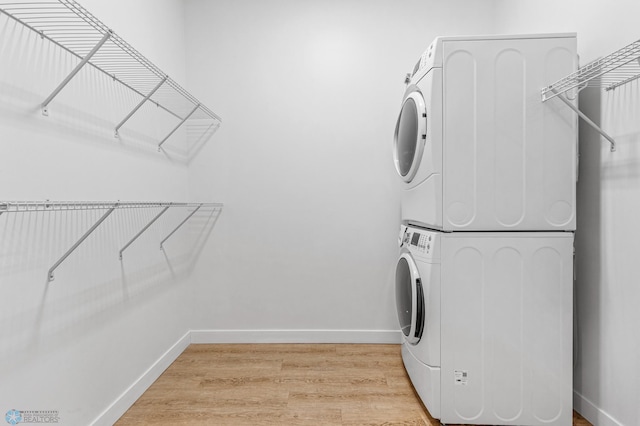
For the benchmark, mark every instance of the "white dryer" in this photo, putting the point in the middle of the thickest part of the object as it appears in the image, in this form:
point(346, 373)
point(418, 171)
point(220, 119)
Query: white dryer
point(476, 146)
point(487, 324)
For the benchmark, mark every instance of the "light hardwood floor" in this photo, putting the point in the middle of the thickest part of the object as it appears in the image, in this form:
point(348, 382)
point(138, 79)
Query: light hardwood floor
point(284, 384)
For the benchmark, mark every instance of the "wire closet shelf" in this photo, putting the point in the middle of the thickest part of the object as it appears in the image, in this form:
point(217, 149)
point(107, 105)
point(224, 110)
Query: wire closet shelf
point(71, 27)
point(37, 206)
point(610, 72)
point(109, 207)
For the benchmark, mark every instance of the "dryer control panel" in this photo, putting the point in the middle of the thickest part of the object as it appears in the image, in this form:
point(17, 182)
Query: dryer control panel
point(431, 58)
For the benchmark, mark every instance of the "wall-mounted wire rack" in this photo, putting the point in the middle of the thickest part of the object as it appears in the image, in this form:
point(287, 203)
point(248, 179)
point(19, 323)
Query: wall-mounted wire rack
point(71, 27)
point(609, 72)
point(109, 207)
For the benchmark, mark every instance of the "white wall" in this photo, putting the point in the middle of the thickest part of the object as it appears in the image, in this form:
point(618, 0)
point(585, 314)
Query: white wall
point(309, 93)
point(78, 343)
point(606, 381)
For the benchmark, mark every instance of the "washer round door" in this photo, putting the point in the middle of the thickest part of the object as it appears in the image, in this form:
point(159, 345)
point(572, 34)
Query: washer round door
point(410, 136)
point(409, 298)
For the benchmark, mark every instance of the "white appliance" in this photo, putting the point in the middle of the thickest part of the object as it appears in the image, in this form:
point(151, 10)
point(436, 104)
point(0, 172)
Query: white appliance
point(475, 146)
point(487, 324)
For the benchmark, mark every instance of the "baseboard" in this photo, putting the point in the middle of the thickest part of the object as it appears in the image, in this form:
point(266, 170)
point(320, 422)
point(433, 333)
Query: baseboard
point(131, 395)
point(591, 412)
point(582, 405)
point(296, 336)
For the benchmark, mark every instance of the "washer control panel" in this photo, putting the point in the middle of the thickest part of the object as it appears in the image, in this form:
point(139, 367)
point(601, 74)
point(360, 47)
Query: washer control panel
point(420, 242)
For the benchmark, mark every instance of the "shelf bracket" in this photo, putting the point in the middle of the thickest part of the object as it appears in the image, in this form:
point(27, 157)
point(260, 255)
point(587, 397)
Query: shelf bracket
point(142, 102)
point(179, 226)
point(45, 104)
point(50, 275)
point(143, 230)
point(588, 121)
point(178, 126)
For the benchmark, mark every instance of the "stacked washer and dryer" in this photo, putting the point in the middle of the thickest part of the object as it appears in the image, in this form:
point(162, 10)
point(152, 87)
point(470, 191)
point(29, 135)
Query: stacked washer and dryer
point(484, 280)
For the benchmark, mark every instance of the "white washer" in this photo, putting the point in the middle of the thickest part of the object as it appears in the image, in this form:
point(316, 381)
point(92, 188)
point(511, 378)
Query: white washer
point(487, 324)
point(476, 146)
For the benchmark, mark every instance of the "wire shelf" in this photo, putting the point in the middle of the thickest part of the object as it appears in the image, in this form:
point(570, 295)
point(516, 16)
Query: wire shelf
point(109, 207)
point(609, 72)
point(71, 27)
point(39, 206)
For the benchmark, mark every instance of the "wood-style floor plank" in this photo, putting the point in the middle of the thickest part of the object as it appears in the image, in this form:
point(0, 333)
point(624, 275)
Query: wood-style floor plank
point(284, 384)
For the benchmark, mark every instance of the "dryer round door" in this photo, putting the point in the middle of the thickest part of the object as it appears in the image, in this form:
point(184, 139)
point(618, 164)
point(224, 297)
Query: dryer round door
point(409, 298)
point(410, 136)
